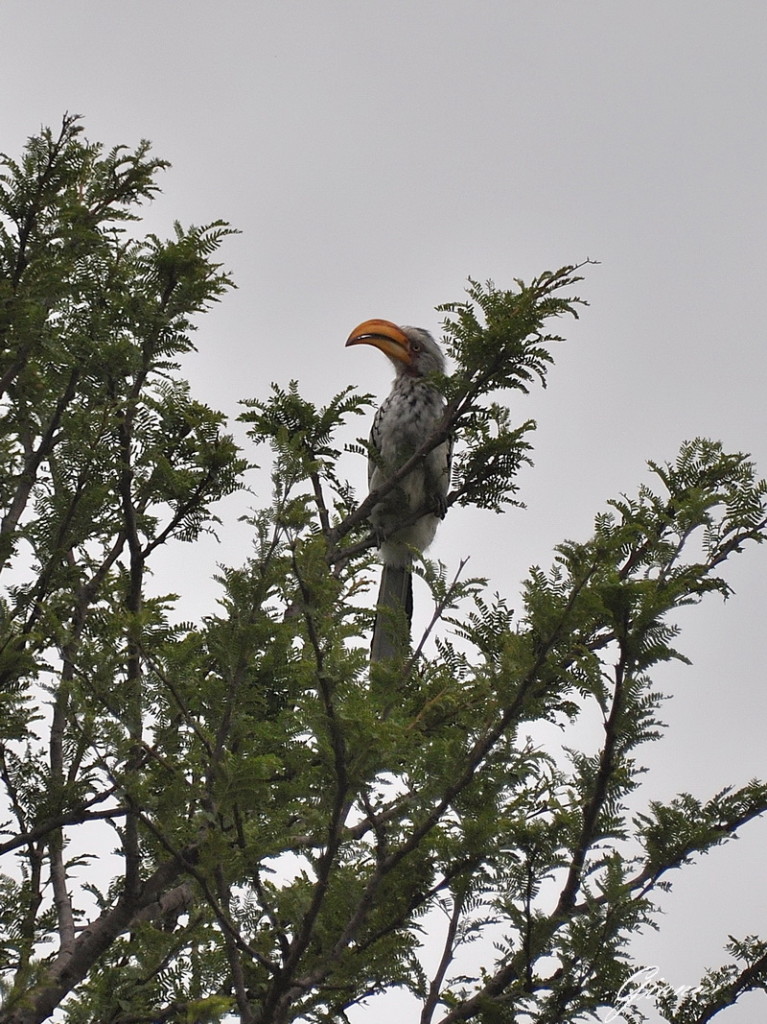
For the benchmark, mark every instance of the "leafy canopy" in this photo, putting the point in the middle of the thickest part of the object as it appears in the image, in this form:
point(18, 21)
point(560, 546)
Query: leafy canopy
point(231, 818)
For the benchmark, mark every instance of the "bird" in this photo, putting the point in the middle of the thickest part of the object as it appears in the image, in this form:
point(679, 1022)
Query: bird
point(403, 423)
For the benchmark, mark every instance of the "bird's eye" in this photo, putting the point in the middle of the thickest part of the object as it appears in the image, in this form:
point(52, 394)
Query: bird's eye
point(416, 346)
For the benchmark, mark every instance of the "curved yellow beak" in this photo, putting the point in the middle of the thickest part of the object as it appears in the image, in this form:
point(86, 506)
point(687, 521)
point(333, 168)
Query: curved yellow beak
point(385, 335)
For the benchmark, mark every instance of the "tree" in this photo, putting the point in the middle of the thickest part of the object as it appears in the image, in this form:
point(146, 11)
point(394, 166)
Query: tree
point(282, 819)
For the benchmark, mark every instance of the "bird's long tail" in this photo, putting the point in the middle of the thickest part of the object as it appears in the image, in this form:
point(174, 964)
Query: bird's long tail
point(391, 633)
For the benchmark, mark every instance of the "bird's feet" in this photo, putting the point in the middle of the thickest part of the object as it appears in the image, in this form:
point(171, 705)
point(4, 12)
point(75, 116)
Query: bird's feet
point(439, 506)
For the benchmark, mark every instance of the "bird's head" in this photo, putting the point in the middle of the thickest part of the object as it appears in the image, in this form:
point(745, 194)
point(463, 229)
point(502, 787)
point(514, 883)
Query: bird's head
point(412, 350)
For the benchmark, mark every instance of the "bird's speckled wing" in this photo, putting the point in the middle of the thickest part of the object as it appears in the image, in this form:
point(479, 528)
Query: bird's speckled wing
point(405, 420)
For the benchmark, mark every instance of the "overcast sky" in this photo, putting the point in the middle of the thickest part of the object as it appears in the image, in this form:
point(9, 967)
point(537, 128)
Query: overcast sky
point(376, 155)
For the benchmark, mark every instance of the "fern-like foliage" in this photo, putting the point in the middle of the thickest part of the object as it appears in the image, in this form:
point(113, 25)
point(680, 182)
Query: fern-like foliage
point(288, 823)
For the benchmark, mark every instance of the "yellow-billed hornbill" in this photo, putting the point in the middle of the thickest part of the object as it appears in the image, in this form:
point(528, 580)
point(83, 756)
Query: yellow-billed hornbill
point(406, 419)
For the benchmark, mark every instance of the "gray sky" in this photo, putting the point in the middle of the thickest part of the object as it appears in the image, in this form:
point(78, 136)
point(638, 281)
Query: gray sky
point(374, 156)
